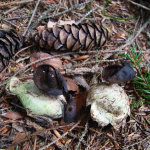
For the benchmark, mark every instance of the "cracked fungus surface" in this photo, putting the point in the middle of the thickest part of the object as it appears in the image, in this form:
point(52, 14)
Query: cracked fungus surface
point(109, 104)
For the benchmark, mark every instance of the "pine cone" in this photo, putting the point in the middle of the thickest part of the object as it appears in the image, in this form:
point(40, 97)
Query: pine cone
point(10, 42)
point(72, 37)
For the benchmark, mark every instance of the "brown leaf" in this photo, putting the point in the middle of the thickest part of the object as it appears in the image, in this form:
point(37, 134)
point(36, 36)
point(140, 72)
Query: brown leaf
point(118, 34)
point(81, 104)
point(81, 57)
point(55, 62)
point(18, 137)
point(5, 130)
point(59, 135)
point(71, 85)
point(13, 115)
point(144, 70)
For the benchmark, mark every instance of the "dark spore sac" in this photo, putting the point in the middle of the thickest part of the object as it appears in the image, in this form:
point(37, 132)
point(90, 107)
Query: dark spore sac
point(70, 113)
point(118, 74)
point(51, 81)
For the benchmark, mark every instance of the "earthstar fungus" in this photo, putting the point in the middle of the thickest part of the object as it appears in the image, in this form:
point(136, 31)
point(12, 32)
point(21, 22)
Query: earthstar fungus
point(118, 74)
point(50, 80)
point(109, 102)
point(35, 101)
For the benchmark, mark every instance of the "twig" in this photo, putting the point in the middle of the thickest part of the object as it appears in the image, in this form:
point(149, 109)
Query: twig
point(22, 59)
point(29, 122)
point(131, 39)
point(35, 9)
point(15, 3)
point(68, 10)
point(23, 49)
point(83, 18)
point(11, 23)
point(141, 141)
point(140, 5)
point(12, 9)
point(69, 53)
point(39, 19)
point(88, 147)
point(27, 136)
point(43, 15)
point(83, 134)
point(91, 62)
point(43, 148)
point(15, 18)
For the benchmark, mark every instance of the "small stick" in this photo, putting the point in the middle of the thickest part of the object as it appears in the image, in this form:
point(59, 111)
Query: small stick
point(39, 19)
point(68, 10)
point(11, 23)
point(43, 148)
point(91, 62)
point(23, 49)
point(12, 9)
point(89, 12)
point(15, 18)
point(141, 141)
point(83, 134)
point(35, 9)
point(130, 40)
point(88, 147)
point(140, 5)
point(41, 59)
point(27, 136)
point(22, 59)
point(15, 3)
point(43, 15)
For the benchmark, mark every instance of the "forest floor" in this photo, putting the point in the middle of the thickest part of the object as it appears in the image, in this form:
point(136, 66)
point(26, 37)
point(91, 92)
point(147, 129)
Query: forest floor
point(128, 23)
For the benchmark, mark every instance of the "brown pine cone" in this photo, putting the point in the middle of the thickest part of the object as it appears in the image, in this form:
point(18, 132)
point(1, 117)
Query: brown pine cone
point(72, 37)
point(10, 42)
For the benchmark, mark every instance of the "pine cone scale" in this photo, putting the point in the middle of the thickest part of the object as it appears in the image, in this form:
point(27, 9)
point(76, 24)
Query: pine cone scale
point(3, 52)
point(84, 28)
point(57, 45)
point(51, 40)
point(10, 42)
point(75, 31)
point(102, 40)
point(45, 34)
point(67, 28)
point(91, 31)
point(63, 36)
point(76, 46)
point(82, 36)
point(56, 31)
point(70, 41)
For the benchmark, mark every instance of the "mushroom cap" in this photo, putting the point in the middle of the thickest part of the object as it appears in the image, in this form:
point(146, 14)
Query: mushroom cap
point(109, 104)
